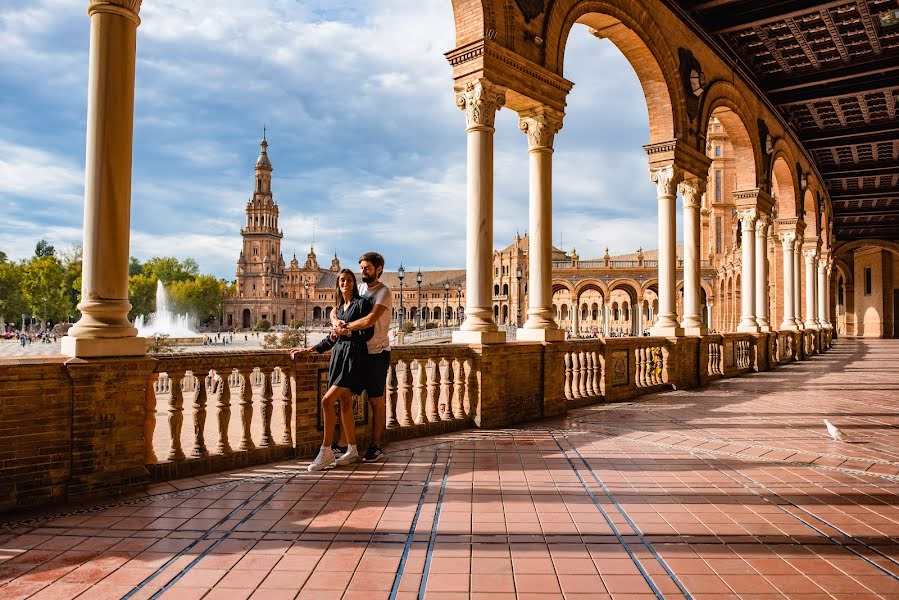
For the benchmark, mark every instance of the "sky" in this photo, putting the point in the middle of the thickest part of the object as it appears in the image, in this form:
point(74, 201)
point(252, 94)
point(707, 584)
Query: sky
point(367, 143)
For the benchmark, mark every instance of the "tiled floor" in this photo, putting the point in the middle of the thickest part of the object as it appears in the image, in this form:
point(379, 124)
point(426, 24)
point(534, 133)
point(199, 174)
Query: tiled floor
point(734, 491)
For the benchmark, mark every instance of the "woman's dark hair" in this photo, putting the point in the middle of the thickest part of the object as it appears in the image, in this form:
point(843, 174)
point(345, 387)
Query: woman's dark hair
point(338, 297)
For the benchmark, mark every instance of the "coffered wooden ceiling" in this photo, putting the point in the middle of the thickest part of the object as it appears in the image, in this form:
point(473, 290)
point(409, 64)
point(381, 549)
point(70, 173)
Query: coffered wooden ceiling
point(832, 70)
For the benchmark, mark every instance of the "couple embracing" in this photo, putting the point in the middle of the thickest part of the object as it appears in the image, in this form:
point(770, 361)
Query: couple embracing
point(360, 357)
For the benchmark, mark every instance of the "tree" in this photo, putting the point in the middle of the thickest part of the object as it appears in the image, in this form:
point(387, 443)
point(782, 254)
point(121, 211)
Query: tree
point(262, 325)
point(134, 267)
point(200, 297)
point(141, 295)
point(168, 270)
point(42, 287)
point(72, 262)
point(12, 302)
point(44, 248)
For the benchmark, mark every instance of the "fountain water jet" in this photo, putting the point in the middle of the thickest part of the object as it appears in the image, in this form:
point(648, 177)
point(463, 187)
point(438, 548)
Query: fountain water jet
point(164, 321)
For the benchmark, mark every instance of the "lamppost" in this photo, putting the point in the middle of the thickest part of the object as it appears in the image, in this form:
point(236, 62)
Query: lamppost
point(458, 303)
point(518, 302)
point(446, 287)
point(401, 273)
point(305, 314)
point(418, 314)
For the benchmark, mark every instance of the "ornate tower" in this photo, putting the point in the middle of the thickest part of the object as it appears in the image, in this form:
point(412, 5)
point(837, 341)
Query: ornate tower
point(260, 269)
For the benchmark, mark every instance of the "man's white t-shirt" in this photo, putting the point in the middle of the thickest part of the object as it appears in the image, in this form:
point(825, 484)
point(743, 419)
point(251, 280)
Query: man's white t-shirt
point(379, 295)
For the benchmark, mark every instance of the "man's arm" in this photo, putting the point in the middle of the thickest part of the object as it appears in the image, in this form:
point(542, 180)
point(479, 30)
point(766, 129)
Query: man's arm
point(368, 320)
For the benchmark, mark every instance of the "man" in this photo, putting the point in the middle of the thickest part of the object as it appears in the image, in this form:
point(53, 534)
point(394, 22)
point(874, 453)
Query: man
point(371, 265)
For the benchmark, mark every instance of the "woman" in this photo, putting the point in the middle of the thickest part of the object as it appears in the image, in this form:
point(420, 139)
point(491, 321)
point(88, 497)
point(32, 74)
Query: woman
point(346, 373)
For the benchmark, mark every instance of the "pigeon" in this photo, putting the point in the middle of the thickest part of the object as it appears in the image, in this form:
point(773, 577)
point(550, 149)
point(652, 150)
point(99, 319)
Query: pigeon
point(834, 432)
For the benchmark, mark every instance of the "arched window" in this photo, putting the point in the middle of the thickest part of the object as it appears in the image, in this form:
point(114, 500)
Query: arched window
point(496, 290)
point(505, 289)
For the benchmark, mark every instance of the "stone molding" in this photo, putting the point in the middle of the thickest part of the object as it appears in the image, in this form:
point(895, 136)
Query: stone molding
point(126, 8)
point(679, 153)
point(541, 126)
point(755, 198)
point(480, 100)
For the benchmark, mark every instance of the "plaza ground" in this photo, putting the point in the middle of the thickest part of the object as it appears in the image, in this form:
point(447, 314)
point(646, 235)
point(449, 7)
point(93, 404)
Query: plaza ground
point(731, 491)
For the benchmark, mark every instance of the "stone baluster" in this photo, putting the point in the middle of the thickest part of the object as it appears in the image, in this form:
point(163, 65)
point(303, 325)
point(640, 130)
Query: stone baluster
point(591, 390)
point(432, 375)
point(418, 391)
point(575, 375)
point(567, 360)
point(241, 381)
point(150, 457)
point(403, 393)
point(218, 387)
point(640, 363)
point(446, 391)
point(582, 359)
point(192, 385)
point(664, 376)
point(391, 397)
point(172, 386)
point(281, 384)
point(266, 397)
point(458, 390)
point(472, 389)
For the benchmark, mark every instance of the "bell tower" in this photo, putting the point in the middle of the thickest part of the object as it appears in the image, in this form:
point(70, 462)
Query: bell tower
point(260, 268)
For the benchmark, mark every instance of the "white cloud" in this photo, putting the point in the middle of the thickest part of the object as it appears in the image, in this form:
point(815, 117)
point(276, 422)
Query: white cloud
point(25, 170)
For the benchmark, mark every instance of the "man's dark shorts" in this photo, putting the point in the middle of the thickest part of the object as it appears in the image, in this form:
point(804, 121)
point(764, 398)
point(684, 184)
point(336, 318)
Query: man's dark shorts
point(376, 378)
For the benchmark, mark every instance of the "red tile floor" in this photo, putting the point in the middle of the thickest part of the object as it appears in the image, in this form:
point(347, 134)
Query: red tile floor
point(733, 491)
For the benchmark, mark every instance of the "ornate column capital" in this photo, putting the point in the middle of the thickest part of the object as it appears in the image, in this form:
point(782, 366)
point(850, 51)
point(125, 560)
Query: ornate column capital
point(747, 218)
point(540, 125)
point(691, 190)
point(126, 8)
point(788, 239)
point(761, 226)
point(666, 179)
point(480, 100)
point(810, 255)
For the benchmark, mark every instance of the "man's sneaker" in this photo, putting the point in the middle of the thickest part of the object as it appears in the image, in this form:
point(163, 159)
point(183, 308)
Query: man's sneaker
point(324, 460)
point(373, 454)
point(348, 457)
point(338, 450)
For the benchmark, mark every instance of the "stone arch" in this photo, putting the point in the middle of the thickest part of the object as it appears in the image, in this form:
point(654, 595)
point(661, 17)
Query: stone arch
point(591, 284)
point(633, 30)
point(246, 319)
point(317, 313)
point(559, 285)
point(733, 117)
point(810, 214)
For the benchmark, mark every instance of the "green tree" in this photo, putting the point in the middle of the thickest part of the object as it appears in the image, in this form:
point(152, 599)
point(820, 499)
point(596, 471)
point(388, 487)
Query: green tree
point(134, 267)
point(42, 287)
point(71, 263)
point(141, 295)
point(200, 297)
point(12, 302)
point(44, 248)
point(169, 270)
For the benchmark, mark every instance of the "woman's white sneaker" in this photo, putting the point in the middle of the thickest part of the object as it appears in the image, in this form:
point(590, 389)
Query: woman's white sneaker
point(324, 460)
point(349, 457)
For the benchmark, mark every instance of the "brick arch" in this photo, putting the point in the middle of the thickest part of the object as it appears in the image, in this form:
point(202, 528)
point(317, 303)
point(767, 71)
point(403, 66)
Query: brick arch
point(842, 249)
point(810, 214)
point(784, 184)
point(561, 284)
point(723, 102)
point(629, 285)
point(591, 284)
point(638, 37)
point(472, 19)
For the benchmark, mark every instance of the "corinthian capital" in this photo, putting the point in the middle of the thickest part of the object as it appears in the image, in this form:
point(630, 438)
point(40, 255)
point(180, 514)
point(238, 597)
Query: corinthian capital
point(747, 218)
point(666, 179)
point(761, 226)
point(691, 190)
point(480, 100)
point(788, 239)
point(541, 126)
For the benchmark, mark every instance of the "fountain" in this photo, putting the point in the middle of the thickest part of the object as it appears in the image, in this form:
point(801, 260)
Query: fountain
point(164, 321)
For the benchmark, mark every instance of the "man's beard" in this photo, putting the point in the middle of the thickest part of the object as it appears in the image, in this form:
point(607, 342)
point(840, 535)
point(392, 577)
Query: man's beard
point(367, 279)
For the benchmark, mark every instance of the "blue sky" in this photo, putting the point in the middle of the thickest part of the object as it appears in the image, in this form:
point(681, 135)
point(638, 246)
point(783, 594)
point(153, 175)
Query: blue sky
point(363, 131)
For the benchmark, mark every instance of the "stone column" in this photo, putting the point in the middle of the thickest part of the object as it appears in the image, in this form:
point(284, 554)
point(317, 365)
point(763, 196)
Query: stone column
point(788, 243)
point(605, 318)
point(541, 126)
point(823, 296)
point(666, 180)
point(640, 317)
point(691, 190)
point(480, 100)
point(827, 279)
point(811, 262)
point(104, 328)
point(761, 273)
point(575, 316)
point(747, 278)
point(797, 283)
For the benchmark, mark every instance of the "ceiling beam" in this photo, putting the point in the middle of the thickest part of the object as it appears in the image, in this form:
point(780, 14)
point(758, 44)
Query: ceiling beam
point(884, 131)
point(826, 76)
point(891, 194)
point(728, 20)
point(864, 212)
point(868, 83)
point(866, 170)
